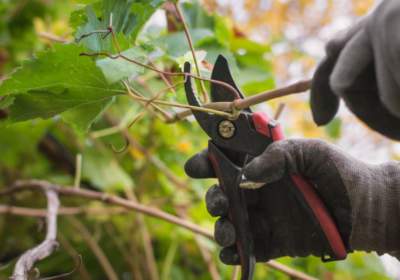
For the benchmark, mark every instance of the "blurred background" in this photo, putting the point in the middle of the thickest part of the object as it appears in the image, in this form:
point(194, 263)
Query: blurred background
point(269, 43)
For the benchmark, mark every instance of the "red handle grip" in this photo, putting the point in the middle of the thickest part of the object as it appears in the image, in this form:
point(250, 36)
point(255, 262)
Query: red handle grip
point(314, 202)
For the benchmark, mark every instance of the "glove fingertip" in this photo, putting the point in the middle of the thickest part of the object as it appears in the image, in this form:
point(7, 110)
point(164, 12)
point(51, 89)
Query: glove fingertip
point(224, 233)
point(229, 256)
point(216, 202)
point(253, 174)
point(324, 103)
point(199, 167)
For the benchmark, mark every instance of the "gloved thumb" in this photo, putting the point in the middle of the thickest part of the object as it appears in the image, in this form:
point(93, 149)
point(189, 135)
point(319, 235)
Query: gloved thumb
point(269, 166)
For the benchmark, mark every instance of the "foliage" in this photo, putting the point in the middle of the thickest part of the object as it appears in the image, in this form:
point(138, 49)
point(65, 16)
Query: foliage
point(60, 104)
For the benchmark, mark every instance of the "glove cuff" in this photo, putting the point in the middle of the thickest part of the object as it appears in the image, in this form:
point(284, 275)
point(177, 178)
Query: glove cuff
point(376, 209)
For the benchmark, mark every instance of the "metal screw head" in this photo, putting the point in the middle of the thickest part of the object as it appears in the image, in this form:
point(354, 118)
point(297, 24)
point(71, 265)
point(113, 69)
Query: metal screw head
point(226, 129)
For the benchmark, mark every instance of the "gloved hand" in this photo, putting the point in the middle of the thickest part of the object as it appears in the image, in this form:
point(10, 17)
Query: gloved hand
point(362, 198)
point(362, 66)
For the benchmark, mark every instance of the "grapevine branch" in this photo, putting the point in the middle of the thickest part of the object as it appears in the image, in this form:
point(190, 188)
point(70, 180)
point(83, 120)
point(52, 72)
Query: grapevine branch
point(35, 185)
point(26, 262)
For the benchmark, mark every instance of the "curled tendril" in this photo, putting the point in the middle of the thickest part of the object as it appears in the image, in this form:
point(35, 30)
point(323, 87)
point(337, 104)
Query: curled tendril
point(78, 263)
point(121, 150)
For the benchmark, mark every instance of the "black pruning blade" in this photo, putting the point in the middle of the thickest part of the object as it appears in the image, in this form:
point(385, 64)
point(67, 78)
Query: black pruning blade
point(221, 72)
point(204, 119)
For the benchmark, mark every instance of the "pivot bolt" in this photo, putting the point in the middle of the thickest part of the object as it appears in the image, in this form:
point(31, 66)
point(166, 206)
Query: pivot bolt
point(226, 129)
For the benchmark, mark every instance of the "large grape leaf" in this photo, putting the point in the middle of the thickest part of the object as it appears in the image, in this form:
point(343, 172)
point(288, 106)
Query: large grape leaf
point(128, 18)
point(117, 69)
point(83, 117)
point(54, 82)
point(102, 170)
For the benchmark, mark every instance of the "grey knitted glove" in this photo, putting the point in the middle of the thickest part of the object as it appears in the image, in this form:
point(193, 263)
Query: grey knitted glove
point(362, 66)
point(362, 198)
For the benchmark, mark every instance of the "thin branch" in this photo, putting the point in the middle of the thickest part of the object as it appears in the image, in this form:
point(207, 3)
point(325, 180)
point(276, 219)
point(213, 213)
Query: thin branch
point(49, 244)
point(240, 104)
point(157, 108)
point(205, 253)
point(298, 87)
point(235, 273)
point(65, 211)
point(106, 32)
point(279, 111)
point(190, 42)
point(293, 273)
point(173, 104)
point(35, 185)
point(166, 73)
point(94, 246)
point(65, 244)
point(118, 242)
point(52, 37)
point(78, 171)
point(106, 198)
point(147, 245)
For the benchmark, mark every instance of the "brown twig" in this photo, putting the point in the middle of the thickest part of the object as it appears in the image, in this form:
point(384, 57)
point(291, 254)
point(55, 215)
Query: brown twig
point(279, 111)
point(26, 262)
point(166, 73)
point(147, 245)
point(298, 87)
point(240, 104)
point(191, 46)
point(35, 185)
point(95, 247)
point(121, 247)
point(235, 273)
point(67, 211)
point(65, 244)
point(52, 37)
point(106, 198)
point(132, 93)
point(205, 253)
point(294, 274)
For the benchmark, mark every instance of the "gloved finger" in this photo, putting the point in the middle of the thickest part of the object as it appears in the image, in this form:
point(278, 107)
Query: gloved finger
point(229, 256)
point(354, 79)
point(354, 59)
point(384, 35)
point(324, 103)
point(269, 166)
point(216, 202)
point(199, 166)
point(224, 233)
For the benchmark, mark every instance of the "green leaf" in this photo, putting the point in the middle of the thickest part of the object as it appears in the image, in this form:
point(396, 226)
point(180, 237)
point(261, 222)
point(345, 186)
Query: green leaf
point(141, 11)
point(197, 17)
point(56, 81)
point(128, 18)
point(18, 143)
point(117, 69)
point(95, 42)
point(83, 117)
point(103, 171)
point(223, 32)
point(175, 44)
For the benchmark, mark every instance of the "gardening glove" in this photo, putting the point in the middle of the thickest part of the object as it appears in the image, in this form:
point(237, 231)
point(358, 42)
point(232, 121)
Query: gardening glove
point(362, 198)
point(362, 66)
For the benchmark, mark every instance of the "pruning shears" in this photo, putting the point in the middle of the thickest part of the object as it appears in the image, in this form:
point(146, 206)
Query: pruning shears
point(235, 142)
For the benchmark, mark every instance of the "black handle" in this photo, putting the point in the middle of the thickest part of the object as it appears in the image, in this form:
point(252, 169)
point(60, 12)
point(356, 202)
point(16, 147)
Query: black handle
point(229, 176)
